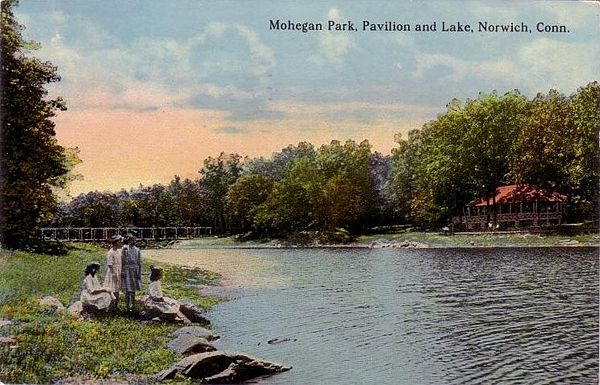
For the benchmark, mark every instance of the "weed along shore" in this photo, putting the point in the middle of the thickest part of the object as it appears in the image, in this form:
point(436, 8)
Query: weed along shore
point(43, 341)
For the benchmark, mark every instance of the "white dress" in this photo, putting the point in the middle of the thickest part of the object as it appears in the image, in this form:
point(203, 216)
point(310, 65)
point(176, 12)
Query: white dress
point(114, 264)
point(100, 301)
point(158, 302)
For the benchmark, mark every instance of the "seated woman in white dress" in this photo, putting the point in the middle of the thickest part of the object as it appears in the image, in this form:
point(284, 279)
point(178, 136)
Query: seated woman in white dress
point(157, 304)
point(93, 295)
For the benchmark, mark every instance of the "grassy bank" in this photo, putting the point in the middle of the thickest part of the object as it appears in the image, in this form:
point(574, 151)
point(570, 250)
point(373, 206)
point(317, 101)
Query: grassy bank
point(487, 239)
point(53, 346)
point(432, 239)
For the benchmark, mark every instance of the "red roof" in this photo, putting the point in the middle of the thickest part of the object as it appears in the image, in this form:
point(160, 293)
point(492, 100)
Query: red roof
point(520, 193)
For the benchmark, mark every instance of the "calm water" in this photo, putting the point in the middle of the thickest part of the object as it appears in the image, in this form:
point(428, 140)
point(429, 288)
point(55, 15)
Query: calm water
point(395, 316)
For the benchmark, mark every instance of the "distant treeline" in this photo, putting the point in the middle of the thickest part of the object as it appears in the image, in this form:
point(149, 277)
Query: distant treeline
point(468, 151)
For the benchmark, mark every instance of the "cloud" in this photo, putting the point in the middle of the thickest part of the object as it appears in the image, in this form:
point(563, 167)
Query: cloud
point(231, 130)
point(536, 66)
point(352, 111)
point(575, 14)
point(333, 46)
point(221, 62)
point(262, 55)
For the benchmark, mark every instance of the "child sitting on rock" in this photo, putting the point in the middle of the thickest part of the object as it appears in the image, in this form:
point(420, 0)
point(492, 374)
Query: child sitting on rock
point(93, 296)
point(157, 305)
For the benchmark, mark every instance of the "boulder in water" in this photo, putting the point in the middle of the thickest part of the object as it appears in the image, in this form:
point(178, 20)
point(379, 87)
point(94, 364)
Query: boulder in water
point(219, 367)
point(193, 313)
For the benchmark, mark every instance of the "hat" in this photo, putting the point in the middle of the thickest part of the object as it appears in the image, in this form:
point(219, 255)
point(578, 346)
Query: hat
point(92, 266)
point(116, 238)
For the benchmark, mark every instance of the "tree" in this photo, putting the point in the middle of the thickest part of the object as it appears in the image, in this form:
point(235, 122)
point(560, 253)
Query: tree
point(543, 148)
point(189, 203)
point(245, 196)
point(558, 148)
point(584, 119)
point(276, 167)
point(218, 174)
point(293, 201)
point(32, 162)
point(403, 179)
point(348, 194)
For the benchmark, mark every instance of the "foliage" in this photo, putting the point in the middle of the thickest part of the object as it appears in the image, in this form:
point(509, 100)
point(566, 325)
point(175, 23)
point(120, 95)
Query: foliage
point(542, 147)
point(218, 174)
point(477, 146)
point(33, 164)
point(245, 196)
point(584, 168)
point(334, 188)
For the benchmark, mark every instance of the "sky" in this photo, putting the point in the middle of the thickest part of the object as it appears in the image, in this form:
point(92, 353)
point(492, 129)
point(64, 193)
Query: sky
point(154, 87)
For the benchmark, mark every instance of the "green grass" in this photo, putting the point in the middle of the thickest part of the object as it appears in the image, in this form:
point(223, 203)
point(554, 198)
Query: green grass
point(487, 240)
point(53, 346)
point(432, 239)
point(181, 282)
point(200, 243)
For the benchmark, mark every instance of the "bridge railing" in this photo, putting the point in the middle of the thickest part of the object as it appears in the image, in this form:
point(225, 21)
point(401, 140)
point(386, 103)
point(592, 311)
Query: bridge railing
point(96, 234)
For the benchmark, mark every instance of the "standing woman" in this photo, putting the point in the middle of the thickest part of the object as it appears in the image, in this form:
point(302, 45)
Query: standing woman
point(131, 275)
point(114, 264)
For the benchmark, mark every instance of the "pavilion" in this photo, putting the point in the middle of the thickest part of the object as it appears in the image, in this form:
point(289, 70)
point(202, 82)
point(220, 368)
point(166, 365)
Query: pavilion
point(513, 206)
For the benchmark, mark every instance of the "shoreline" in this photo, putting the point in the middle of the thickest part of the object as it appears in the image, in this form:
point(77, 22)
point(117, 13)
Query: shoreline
point(406, 240)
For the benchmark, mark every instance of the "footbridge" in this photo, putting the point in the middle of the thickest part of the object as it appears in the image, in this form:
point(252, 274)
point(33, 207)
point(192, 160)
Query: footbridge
point(103, 234)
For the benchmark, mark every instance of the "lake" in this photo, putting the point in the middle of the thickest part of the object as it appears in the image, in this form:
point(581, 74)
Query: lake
point(409, 316)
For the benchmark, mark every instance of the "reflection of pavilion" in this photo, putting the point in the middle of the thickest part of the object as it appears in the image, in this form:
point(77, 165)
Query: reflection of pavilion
point(513, 206)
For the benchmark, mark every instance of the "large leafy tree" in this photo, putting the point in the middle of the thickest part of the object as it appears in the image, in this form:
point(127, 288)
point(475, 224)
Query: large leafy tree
point(245, 196)
point(543, 148)
point(348, 194)
point(324, 190)
point(292, 204)
point(558, 148)
point(584, 118)
point(217, 175)
point(33, 163)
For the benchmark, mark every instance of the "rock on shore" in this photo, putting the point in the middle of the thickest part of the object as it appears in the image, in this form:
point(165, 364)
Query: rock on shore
point(384, 243)
point(188, 344)
point(220, 367)
point(205, 363)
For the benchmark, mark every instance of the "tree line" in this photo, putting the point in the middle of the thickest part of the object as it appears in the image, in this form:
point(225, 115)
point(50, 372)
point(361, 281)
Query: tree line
point(300, 188)
point(467, 152)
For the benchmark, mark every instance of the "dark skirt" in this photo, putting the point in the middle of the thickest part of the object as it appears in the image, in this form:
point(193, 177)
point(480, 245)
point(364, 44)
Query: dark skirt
point(130, 279)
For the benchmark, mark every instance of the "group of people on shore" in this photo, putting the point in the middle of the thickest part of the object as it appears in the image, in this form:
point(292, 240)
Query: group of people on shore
point(124, 274)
